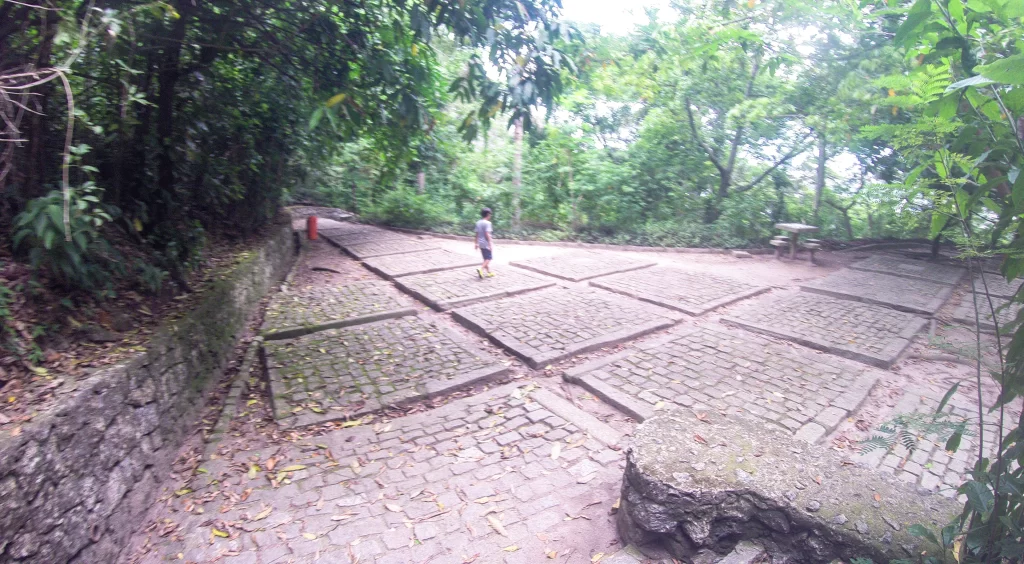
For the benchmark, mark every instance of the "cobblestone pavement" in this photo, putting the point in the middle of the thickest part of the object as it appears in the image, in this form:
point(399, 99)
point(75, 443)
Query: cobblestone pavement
point(694, 293)
point(930, 465)
point(579, 266)
point(508, 475)
point(328, 227)
point(865, 332)
point(422, 262)
point(897, 292)
point(996, 285)
point(315, 308)
point(714, 368)
point(551, 325)
point(1006, 312)
point(447, 289)
point(362, 236)
point(348, 372)
point(395, 246)
point(909, 268)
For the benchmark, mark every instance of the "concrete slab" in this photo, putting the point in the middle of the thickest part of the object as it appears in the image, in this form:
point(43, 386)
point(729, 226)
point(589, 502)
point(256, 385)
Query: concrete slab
point(378, 248)
point(308, 310)
point(910, 268)
point(1006, 312)
point(447, 289)
point(551, 325)
point(864, 332)
point(579, 266)
point(904, 294)
point(694, 293)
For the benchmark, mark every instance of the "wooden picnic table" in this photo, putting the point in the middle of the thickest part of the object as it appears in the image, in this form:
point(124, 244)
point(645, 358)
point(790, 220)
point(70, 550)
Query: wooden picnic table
point(796, 229)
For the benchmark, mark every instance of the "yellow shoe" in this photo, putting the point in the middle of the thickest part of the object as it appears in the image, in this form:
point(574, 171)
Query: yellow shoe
point(480, 273)
point(491, 275)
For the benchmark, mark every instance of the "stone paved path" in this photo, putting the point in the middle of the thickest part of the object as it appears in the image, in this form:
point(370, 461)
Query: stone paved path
point(307, 310)
point(996, 286)
point(348, 372)
point(694, 293)
point(865, 332)
point(509, 475)
point(446, 289)
point(525, 472)
point(917, 269)
point(897, 292)
point(551, 325)
point(434, 260)
point(579, 266)
point(1006, 312)
point(712, 368)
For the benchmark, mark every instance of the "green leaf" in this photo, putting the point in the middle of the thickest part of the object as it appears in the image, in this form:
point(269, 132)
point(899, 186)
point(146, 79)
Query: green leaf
point(921, 532)
point(939, 221)
point(945, 399)
point(314, 120)
point(953, 443)
point(973, 81)
point(978, 495)
point(919, 13)
point(1007, 71)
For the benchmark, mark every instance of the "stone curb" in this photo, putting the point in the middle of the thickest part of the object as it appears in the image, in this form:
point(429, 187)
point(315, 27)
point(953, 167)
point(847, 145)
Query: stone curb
point(585, 421)
point(293, 332)
point(239, 386)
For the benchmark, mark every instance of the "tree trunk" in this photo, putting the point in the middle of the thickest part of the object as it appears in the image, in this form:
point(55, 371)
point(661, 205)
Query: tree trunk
point(37, 154)
point(421, 182)
point(871, 225)
point(517, 175)
point(849, 225)
point(819, 181)
point(167, 79)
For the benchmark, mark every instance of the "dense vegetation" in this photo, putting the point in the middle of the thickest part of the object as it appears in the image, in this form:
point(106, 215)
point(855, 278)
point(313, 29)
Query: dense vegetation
point(136, 132)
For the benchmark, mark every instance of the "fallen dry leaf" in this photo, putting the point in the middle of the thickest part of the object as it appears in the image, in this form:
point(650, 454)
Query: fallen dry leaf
point(597, 557)
point(512, 548)
point(496, 525)
point(556, 451)
point(700, 439)
point(309, 536)
point(393, 507)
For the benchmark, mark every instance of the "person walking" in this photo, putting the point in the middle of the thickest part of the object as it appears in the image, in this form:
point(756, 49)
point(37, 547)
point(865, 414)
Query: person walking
point(484, 242)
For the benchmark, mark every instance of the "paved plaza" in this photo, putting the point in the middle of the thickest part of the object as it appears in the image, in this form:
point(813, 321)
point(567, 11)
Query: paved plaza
point(307, 310)
point(897, 292)
point(579, 266)
point(356, 236)
point(694, 293)
point(1005, 312)
point(375, 248)
point(423, 262)
point(996, 286)
point(864, 332)
point(908, 268)
point(509, 475)
point(551, 325)
point(713, 368)
point(349, 372)
point(447, 289)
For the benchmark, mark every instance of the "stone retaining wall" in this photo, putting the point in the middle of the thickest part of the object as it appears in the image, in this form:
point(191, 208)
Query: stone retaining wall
point(76, 481)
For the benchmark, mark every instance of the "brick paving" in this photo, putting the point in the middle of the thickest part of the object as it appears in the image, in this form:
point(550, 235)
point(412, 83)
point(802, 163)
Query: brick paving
point(423, 262)
point(905, 294)
point(348, 372)
point(396, 246)
point(1006, 312)
point(551, 325)
point(864, 332)
point(713, 368)
point(930, 465)
point(694, 293)
point(996, 286)
point(362, 236)
point(579, 266)
point(504, 476)
point(339, 227)
point(306, 310)
point(909, 268)
point(447, 289)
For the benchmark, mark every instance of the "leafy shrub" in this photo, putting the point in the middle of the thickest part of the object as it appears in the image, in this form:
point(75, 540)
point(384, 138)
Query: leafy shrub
point(78, 261)
point(405, 208)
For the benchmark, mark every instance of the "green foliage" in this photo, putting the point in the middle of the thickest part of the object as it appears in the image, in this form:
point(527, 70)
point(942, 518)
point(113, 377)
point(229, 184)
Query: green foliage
point(405, 208)
point(75, 252)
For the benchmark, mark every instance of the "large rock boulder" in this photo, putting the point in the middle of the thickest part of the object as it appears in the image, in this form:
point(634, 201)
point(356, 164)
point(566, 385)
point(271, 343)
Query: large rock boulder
point(697, 487)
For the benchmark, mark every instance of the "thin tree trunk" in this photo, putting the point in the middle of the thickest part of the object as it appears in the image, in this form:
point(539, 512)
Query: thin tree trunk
point(517, 175)
point(421, 182)
point(819, 181)
point(167, 79)
point(849, 225)
point(37, 153)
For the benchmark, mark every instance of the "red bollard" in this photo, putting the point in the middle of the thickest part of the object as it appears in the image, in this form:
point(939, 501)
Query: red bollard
point(311, 227)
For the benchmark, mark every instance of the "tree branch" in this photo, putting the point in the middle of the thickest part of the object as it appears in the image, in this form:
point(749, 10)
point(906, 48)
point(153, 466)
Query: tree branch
point(700, 142)
point(800, 148)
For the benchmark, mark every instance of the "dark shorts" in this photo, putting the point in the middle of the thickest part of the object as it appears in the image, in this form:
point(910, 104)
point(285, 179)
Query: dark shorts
point(486, 253)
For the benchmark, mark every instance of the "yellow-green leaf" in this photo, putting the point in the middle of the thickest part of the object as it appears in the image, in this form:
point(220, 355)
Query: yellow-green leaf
point(336, 99)
point(219, 533)
point(294, 468)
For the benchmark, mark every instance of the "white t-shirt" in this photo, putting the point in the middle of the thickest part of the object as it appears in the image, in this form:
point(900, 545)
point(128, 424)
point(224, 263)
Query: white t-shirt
point(483, 227)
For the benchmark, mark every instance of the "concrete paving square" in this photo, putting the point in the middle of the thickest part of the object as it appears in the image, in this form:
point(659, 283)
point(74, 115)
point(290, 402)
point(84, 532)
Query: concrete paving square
point(506, 476)
point(307, 310)
point(910, 268)
point(715, 368)
point(694, 293)
point(330, 227)
point(1006, 312)
point(362, 236)
point(379, 248)
point(579, 266)
point(864, 332)
point(348, 372)
point(551, 325)
point(905, 294)
point(447, 289)
point(420, 262)
point(996, 286)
